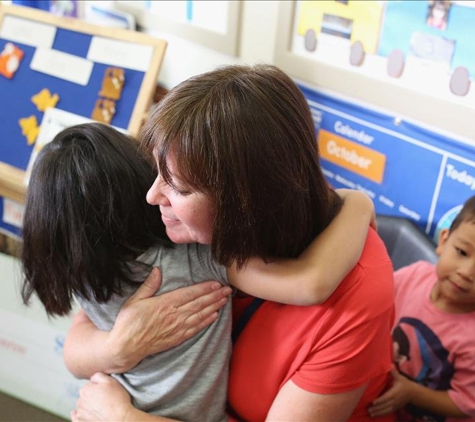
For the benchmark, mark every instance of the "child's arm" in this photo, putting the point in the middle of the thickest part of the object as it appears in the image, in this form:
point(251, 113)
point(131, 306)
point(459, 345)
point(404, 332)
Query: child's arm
point(404, 391)
point(316, 273)
point(81, 360)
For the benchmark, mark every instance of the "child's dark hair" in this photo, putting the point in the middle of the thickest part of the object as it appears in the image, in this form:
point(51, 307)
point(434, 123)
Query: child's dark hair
point(86, 217)
point(467, 213)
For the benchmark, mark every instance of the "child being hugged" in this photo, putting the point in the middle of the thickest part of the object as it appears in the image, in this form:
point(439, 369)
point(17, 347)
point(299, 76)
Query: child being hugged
point(434, 337)
point(89, 234)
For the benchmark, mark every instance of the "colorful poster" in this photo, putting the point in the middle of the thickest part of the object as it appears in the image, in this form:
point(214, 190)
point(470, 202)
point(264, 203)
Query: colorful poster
point(424, 45)
point(351, 20)
point(435, 31)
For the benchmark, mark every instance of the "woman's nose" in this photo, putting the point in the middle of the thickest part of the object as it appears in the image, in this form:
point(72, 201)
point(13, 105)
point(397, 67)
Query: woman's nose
point(156, 194)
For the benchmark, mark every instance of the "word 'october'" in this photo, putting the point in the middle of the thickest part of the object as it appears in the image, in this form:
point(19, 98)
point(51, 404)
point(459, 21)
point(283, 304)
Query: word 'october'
point(348, 155)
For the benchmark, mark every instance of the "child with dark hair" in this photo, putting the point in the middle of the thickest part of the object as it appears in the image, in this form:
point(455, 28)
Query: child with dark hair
point(435, 316)
point(89, 234)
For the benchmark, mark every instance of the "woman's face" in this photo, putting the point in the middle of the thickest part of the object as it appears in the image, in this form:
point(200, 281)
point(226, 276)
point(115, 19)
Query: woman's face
point(188, 215)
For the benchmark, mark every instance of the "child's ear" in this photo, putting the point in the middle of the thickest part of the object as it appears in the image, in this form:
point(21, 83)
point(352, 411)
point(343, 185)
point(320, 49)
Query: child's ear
point(444, 235)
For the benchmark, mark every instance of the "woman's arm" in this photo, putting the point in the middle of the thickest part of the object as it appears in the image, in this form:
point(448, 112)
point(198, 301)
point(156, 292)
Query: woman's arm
point(294, 403)
point(145, 325)
point(404, 391)
point(318, 271)
point(104, 399)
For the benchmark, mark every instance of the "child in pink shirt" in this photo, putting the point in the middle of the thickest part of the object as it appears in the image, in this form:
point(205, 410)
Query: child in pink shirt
point(434, 335)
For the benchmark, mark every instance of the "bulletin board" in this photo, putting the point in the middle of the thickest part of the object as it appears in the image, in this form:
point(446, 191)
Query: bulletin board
point(69, 57)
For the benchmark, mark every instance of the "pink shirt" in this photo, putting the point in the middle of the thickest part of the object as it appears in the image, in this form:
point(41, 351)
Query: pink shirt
point(440, 346)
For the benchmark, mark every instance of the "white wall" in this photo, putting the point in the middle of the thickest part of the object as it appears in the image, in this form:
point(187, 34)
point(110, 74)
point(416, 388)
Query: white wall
point(257, 39)
point(31, 346)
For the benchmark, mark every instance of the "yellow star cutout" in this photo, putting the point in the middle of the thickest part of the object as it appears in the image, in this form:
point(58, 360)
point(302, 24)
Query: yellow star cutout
point(44, 99)
point(29, 128)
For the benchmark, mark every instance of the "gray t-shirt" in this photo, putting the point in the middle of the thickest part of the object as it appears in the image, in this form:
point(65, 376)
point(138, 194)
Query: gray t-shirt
point(189, 381)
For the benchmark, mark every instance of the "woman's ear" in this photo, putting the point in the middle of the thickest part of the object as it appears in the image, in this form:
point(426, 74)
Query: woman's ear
point(444, 235)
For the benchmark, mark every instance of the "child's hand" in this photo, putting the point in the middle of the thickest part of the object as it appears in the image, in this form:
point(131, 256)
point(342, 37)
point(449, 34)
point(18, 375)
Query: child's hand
point(344, 193)
point(393, 399)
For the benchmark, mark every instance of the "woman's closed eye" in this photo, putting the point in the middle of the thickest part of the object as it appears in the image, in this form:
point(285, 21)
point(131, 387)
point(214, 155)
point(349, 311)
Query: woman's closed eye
point(180, 190)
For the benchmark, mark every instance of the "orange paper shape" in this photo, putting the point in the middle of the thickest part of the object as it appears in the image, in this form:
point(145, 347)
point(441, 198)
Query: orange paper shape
point(44, 99)
point(113, 82)
point(104, 110)
point(29, 128)
point(10, 59)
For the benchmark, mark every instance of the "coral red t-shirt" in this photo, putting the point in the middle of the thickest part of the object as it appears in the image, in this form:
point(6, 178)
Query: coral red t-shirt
point(330, 348)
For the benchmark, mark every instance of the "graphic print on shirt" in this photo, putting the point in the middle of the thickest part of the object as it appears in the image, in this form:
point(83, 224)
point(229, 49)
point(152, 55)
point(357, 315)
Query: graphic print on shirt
point(421, 357)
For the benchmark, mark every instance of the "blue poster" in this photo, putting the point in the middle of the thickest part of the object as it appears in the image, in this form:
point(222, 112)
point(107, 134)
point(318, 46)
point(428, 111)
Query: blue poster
point(407, 169)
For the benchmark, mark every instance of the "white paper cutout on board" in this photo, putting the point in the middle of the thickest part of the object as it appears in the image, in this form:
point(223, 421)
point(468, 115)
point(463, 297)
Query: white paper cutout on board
point(120, 53)
point(27, 32)
point(62, 65)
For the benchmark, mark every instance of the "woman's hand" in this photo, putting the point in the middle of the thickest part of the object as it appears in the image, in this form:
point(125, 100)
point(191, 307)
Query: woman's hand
point(102, 399)
point(145, 325)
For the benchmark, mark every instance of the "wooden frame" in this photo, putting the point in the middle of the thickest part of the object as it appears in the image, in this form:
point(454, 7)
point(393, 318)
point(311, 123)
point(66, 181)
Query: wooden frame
point(225, 43)
point(450, 117)
point(12, 177)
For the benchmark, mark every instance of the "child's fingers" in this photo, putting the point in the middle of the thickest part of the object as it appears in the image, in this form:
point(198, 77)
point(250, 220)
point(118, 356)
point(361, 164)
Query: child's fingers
point(380, 410)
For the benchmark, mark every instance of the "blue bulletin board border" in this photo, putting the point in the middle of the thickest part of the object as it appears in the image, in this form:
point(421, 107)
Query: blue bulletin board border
point(425, 176)
point(74, 37)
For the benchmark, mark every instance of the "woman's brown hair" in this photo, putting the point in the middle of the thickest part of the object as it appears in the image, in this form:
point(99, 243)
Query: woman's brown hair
point(245, 136)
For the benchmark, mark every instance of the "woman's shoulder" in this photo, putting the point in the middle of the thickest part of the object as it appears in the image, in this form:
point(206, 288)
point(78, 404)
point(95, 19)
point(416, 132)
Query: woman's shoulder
point(374, 251)
point(370, 285)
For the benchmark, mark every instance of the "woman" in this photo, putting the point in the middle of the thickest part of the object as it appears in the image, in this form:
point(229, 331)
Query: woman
point(241, 141)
